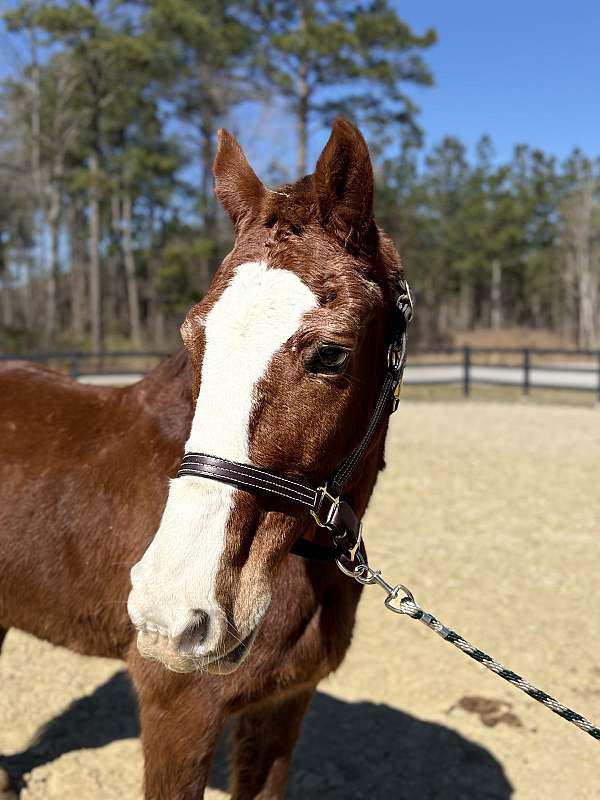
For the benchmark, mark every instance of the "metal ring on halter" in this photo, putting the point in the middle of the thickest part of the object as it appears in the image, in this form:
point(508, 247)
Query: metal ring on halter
point(358, 570)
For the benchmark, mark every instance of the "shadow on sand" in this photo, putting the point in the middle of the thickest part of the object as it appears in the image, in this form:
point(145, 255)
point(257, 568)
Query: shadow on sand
point(346, 750)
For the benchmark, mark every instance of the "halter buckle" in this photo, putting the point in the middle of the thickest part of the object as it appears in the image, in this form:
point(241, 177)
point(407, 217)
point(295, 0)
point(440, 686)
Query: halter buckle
point(335, 501)
point(342, 521)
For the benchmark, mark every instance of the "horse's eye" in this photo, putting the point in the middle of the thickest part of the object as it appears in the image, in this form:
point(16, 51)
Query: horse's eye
point(328, 358)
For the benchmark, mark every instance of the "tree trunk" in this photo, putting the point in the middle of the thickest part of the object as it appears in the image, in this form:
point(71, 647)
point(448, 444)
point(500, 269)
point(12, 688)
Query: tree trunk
point(536, 311)
point(496, 294)
point(37, 182)
point(587, 323)
point(302, 120)
point(95, 276)
point(156, 322)
point(54, 213)
point(113, 271)
point(35, 124)
point(76, 275)
point(443, 318)
point(466, 302)
point(7, 300)
point(159, 331)
point(569, 299)
point(303, 94)
point(582, 266)
point(207, 155)
point(28, 290)
point(133, 299)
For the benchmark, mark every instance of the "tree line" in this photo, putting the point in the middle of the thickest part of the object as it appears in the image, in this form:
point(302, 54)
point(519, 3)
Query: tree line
point(108, 225)
point(493, 245)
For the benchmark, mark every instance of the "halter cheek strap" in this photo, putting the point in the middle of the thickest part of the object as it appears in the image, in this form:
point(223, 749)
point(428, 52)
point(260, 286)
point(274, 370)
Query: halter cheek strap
point(325, 503)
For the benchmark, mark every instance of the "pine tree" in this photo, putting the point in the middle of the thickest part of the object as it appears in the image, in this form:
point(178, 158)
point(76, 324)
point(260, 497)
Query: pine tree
point(203, 49)
point(363, 51)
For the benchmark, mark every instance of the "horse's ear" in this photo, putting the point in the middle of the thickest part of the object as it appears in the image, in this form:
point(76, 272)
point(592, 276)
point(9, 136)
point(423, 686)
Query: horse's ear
point(344, 183)
point(239, 190)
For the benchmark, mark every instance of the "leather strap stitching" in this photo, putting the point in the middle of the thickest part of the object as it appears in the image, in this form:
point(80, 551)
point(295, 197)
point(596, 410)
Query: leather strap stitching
point(300, 494)
point(203, 457)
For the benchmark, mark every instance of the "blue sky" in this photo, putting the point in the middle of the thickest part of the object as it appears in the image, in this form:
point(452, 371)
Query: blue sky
point(525, 71)
point(522, 71)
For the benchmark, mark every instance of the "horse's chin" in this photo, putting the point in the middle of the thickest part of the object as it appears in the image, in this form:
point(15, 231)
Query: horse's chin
point(234, 658)
point(181, 661)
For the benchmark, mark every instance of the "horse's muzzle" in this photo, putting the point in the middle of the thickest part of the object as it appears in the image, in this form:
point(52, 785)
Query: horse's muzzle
point(180, 654)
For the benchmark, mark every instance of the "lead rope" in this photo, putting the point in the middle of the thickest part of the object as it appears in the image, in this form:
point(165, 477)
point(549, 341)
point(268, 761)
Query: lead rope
point(363, 573)
point(407, 604)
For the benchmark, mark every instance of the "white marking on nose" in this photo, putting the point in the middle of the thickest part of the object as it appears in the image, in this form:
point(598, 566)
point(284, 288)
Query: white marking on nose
point(257, 313)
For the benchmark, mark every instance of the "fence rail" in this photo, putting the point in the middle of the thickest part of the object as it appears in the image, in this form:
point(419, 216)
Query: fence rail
point(533, 368)
point(81, 364)
point(465, 367)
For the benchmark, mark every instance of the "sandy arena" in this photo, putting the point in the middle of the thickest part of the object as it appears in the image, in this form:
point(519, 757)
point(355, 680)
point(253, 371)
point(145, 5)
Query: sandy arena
point(490, 513)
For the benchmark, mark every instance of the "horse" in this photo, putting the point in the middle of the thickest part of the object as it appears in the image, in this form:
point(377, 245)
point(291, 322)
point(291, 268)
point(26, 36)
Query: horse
point(194, 582)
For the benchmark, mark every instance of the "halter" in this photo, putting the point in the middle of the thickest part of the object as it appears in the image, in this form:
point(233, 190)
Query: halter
point(325, 503)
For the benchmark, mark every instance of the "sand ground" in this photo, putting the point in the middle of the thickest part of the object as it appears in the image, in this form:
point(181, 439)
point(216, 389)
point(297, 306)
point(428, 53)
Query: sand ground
point(491, 514)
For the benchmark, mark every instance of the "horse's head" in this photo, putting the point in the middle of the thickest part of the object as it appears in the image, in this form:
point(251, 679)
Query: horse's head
point(288, 353)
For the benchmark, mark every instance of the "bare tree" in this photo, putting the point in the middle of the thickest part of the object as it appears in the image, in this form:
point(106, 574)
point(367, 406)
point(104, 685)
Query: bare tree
point(75, 225)
point(496, 294)
point(582, 240)
point(57, 138)
point(130, 270)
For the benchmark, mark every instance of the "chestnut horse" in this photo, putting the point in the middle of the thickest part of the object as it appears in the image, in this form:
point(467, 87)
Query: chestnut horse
point(283, 362)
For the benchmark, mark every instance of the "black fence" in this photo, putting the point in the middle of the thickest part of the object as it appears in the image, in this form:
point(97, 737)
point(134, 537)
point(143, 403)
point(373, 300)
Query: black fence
point(527, 368)
point(523, 367)
point(80, 364)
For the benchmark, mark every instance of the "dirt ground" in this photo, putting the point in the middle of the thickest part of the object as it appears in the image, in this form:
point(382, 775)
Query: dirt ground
point(491, 514)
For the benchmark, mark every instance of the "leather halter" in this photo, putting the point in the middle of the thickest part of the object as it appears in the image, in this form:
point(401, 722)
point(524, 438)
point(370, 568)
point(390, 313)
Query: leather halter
point(325, 503)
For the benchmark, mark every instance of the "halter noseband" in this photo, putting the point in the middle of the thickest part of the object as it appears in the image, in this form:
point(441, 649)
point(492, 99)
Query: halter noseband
point(325, 503)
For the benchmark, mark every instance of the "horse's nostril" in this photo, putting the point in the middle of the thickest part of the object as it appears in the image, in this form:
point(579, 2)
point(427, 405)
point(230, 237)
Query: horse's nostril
point(197, 631)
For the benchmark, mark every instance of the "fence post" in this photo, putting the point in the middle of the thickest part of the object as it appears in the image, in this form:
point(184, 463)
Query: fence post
point(73, 365)
point(526, 370)
point(466, 370)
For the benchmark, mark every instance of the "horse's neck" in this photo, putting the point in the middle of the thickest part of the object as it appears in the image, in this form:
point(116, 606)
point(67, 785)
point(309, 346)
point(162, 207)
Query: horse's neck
point(166, 393)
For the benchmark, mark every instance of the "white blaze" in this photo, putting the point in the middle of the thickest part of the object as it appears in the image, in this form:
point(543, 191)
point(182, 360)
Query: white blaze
point(256, 314)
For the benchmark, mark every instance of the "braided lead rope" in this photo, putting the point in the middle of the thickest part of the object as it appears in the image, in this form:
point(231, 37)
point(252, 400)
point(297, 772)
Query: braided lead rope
point(408, 606)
